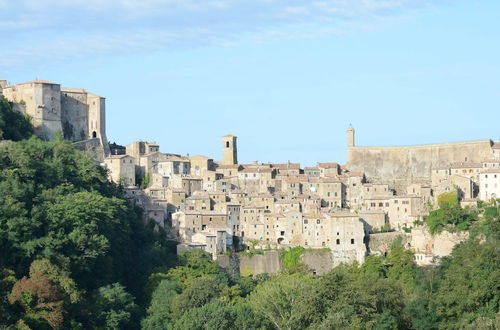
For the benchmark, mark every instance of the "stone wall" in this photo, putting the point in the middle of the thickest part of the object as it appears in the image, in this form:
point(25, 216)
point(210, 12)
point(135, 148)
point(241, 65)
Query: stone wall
point(399, 166)
point(381, 243)
point(439, 245)
point(319, 261)
point(93, 147)
point(268, 262)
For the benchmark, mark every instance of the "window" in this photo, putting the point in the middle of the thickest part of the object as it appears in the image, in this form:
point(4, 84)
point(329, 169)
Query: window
point(318, 221)
point(338, 241)
point(227, 144)
point(352, 240)
point(305, 221)
point(203, 227)
point(282, 233)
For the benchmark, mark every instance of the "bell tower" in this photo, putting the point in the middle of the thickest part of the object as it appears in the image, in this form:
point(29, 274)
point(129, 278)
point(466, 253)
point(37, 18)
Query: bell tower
point(350, 137)
point(229, 150)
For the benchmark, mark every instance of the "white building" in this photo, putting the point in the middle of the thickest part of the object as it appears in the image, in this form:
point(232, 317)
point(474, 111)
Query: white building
point(489, 184)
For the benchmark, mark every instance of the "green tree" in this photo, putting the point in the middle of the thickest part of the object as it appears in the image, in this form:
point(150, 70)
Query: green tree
point(222, 316)
point(13, 125)
point(470, 284)
point(114, 307)
point(277, 299)
point(198, 292)
point(159, 312)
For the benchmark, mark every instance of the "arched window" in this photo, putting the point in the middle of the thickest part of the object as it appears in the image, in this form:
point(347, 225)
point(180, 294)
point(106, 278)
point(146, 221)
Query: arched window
point(227, 144)
point(94, 134)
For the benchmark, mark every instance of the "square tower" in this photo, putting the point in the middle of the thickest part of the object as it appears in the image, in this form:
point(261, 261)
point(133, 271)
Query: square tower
point(41, 100)
point(229, 150)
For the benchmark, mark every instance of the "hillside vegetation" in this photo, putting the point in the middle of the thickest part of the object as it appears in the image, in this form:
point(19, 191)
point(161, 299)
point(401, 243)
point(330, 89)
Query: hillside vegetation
point(75, 255)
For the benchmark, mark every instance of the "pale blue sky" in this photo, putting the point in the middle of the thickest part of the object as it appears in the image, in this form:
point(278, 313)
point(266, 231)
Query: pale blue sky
point(286, 77)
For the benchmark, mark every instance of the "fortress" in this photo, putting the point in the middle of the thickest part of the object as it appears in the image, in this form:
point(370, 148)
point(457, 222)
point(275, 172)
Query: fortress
point(401, 166)
point(74, 112)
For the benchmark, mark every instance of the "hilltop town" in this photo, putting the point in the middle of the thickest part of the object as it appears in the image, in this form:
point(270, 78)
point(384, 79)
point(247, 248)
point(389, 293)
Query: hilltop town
point(354, 209)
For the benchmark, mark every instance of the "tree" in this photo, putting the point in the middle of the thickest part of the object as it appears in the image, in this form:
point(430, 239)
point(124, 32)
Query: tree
point(7, 281)
point(277, 299)
point(159, 312)
point(114, 307)
point(13, 124)
point(222, 316)
point(41, 301)
point(470, 285)
point(198, 292)
point(450, 216)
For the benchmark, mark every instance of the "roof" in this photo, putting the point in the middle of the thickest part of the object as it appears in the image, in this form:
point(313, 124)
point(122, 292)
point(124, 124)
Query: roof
point(405, 196)
point(325, 180)
point(372, 212)
point(387, 197)
point(118, 156)
point(191, 178)
point(287, 201)
point(229, 135)
point(38, 81)
point(343, 215)
point(287, 166)
point(204, 213)
point(223, 167)
point(257, 170)
point(73, 90)
point(173, 159)
point(496, 146)
point(328, 165)
point(466, 165)
point(177, 190)
point(198, 198)
point(491, 170)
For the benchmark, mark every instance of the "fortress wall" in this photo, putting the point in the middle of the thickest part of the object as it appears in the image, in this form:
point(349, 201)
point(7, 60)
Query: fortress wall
point(399, 166)
point(93, 148)
point(74, 113)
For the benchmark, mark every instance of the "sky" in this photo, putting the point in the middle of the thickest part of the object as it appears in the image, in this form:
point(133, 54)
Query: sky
point(287, 77)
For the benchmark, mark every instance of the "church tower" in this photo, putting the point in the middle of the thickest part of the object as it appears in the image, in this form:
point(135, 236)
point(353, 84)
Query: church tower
point(350, 137)
point(229, 150)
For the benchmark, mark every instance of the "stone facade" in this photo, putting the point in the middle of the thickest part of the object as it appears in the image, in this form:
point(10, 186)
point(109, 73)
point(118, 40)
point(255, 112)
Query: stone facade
point(329, 206)
point(75, 113)
point(401, 166)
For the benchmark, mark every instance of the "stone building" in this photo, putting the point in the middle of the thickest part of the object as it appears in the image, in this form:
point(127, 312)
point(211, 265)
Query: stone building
point(75, 113)
point(229, 150)
point(347, 238)
point(121, 169)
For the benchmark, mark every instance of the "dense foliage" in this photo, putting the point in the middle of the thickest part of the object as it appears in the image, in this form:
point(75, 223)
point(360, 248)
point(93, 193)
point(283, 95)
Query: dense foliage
point(68, 240)
point(75, 255)
point(386, 292)
point(450, 215)
point(13, 125)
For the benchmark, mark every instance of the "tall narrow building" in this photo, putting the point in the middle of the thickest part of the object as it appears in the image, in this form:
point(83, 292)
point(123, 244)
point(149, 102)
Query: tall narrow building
point(229, 150)
point(350, 137)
